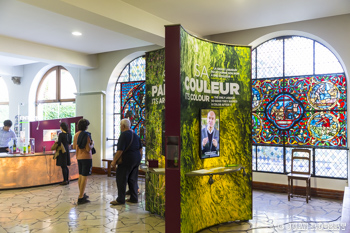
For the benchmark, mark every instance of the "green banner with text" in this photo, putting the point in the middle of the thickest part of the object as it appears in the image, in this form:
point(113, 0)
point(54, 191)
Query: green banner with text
point(155, 98)
point(215, 132)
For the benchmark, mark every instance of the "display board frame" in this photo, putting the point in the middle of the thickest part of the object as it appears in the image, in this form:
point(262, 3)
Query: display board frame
point(209, 144)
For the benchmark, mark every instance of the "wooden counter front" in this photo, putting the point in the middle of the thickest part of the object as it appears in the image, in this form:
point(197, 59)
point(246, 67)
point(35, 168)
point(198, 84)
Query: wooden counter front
point(19, 171)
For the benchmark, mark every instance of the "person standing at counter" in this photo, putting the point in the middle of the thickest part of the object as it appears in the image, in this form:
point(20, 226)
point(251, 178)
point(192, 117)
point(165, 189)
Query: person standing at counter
point(63, 159)
point(130, 148)
point(83, 145)
point(6, 134)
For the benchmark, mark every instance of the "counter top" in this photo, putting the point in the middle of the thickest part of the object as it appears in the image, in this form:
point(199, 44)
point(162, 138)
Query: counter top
point(152, 169)
point(201, 172)
point(215, 171)
point(7, 155)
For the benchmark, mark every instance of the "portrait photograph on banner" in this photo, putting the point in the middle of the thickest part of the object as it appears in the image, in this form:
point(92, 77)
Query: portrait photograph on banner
point(210, 133)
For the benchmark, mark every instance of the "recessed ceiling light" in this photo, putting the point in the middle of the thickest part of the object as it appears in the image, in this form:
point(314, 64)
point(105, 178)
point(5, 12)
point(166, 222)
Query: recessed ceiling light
point(76, 33)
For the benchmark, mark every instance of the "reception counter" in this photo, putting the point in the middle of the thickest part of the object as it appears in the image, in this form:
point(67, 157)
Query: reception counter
point(27, 170)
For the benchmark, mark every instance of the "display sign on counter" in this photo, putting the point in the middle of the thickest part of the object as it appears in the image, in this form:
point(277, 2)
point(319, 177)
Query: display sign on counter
point(50, 135)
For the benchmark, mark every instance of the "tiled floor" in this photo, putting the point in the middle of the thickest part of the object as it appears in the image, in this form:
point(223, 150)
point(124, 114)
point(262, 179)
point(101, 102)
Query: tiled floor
point(53, 209)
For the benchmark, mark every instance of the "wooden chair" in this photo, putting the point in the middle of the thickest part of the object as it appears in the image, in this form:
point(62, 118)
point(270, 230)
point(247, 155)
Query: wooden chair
point(300, 156)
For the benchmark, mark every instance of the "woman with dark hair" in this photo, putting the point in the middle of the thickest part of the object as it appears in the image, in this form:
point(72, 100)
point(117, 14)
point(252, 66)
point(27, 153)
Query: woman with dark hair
point(63, 159)
point(83, 145)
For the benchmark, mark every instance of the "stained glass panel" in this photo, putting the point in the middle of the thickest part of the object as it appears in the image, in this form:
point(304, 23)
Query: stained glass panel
point(299, 133)
point(254, 158)
point(270, 159)
point(116, 124)
point(264, 132)
point(305, 110)
point(117, 100)
point(124, 76)
point(256, 128)
point(257, 96)
point(129, 98)
point(270, 59)
point(254, 64)
point(328, 128)
point(327, 92)
point(303, 167)
point(298, 87)
point(298, 56)
point(284, 111)
point(133, 105)
point(137, 69)
point(264, 90)
point(325, 61)
point(331, 163)
point(299, 104)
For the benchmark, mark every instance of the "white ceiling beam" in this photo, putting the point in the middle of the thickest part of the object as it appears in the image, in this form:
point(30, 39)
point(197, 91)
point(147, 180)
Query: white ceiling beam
point(43, 53)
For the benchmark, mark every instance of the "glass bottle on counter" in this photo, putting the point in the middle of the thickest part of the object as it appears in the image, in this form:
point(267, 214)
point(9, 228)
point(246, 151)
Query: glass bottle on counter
point(14, 147)
point(29, 151)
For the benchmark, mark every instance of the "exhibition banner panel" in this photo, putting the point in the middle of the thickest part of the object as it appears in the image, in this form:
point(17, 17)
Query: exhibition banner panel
point(155, 104)
point(215, 132)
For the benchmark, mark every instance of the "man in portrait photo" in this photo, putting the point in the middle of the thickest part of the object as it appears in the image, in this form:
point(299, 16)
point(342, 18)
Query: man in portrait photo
point(210, 137)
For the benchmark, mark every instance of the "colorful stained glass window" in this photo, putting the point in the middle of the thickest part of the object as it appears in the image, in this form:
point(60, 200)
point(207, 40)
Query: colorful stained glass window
point(133, 105)
point(129, 98)
point(296, 106)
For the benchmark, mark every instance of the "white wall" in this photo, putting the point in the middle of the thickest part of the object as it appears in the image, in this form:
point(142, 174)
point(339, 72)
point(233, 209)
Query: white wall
point(334, 33)
point(91, 106)
point(20, 98)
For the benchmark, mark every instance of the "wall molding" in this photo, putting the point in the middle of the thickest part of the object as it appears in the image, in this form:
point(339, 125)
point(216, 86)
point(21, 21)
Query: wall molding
point(91, 93)
point(269, 187)
point(299, 190)
point(99, 170)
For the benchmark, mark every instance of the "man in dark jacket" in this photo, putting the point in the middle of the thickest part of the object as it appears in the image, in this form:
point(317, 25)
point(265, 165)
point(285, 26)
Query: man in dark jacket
point(130, 148)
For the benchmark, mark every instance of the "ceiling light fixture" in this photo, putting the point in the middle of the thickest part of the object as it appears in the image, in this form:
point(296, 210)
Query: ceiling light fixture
point(76, 33)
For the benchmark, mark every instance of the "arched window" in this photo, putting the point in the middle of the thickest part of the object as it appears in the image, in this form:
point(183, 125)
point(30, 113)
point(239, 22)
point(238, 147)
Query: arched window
point(4, 101)
point(299, 100)
point(129, 98)
point(55, 95)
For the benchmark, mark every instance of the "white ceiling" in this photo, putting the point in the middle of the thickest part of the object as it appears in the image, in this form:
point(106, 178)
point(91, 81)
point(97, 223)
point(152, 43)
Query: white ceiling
point(121, 24)
point(207, 17)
